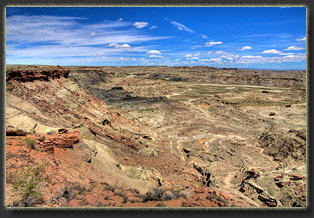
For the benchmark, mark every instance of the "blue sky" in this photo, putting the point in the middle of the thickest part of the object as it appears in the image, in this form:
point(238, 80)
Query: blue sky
point(241, 37)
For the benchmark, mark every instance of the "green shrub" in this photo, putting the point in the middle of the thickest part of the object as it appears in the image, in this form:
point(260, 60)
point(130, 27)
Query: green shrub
point(30, 143)
point(125, 199)
point(134, 201)
point(119, 194)
point(109, 187)
point(28, 182)
point(219, 198)
point(81, 190)
point(134, 190)
point(68, 193)
point(41, 139)
point(177, 193)
point(155, 195)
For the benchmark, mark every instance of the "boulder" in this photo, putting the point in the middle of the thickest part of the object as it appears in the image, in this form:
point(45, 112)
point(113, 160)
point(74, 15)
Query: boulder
point(22, 123)
point(149, 152)
point(67, 140)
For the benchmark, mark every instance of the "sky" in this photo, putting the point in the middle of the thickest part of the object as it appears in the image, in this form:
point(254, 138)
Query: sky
point(228, 37)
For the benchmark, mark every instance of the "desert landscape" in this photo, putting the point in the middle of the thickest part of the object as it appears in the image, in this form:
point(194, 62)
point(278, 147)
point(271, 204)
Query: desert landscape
point(155, 136)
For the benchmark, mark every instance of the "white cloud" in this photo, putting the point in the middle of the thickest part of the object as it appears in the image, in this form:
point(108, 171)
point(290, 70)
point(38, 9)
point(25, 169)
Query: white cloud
point(193, 58)
point(286, 53)
point(204, 37)
point(290, 56)
point(124, 46)
point(65, 40)
point(92, 34)
point(153, 52)
point(271, 51)
point(140, 24)
point(294, 48)
point(228, 55)
point(301, 39)
point(154, 56)
point(116, 45)
point(127, 59)
point(215, 59)
point(211, 43)
point(120, 19)
point(67, 31)
point(220, 52)
point(250, 56)
point(245, 48)
point(212, 59)
point(188, 56)
point(265, 60)
point(152, 27)
point(180, 26)
point(197, 46)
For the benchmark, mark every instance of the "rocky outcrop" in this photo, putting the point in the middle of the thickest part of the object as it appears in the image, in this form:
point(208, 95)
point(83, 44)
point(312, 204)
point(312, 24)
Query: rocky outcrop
point(282, 146)
point(60, 139)
point(275, 189)
point(33, 74)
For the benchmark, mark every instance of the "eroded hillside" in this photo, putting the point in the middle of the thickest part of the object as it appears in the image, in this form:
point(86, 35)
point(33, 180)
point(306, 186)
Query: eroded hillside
point(205, 136)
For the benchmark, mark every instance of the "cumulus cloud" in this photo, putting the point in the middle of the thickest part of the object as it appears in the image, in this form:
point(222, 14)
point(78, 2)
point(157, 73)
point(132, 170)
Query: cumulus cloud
point(228, 55)
point(152, 27)
point(215, 59)
point(188, 56)
point(286, 53)
point(153, 52)
point(271, 51)
point(140, 24)
point(204, 37)
point(245, 48)
point(154, 56)
point(294, 48)
point(127, 59)
point(211, 43)
point(301, 39)
point(264, 60)
point(116, 45)
point(212, 59)
point(193, 58)
point(250, 56)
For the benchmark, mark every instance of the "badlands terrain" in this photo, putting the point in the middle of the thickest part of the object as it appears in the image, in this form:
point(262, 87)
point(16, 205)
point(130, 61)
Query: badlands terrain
point(155, 137)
